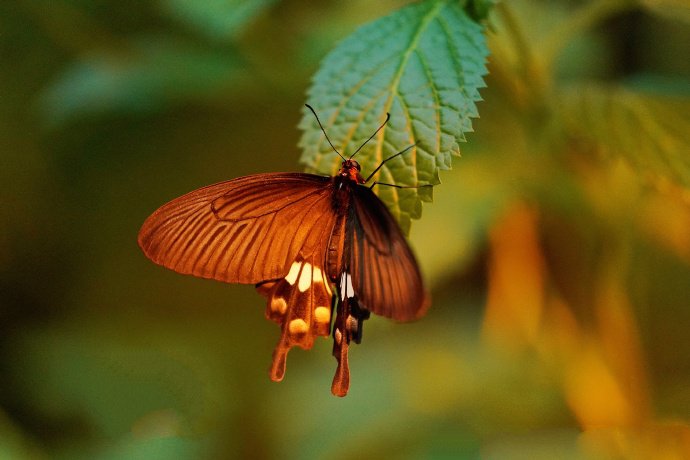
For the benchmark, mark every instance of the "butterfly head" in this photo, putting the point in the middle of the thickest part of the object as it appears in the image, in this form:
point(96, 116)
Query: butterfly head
point(350, 170)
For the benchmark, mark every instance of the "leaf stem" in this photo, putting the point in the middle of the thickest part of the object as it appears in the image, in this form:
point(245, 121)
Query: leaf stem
point(515, 30)
point(530, 69)
point(531, 89)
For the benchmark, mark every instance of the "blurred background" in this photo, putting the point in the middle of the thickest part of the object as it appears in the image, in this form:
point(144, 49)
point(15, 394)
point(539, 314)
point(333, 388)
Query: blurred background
point(557, 250)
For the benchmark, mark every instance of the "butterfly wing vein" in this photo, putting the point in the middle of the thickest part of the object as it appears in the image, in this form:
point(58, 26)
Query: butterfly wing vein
point(385, 274)
point(246, 230)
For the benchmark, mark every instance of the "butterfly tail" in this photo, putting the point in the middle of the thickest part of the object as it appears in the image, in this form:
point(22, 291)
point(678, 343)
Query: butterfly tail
point(348, 327)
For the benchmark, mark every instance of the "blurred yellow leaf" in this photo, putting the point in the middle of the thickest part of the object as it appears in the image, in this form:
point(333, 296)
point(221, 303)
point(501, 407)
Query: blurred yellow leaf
point(669, 440)
point(665, 217)
point(619, 339)
point(648, 130)
point(594, 394)
point(516, 279)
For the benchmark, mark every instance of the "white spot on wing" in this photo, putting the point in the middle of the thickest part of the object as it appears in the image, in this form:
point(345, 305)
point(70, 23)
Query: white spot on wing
point(318, 276)
point(305, 278)
point(294, 271)
point(346, 289)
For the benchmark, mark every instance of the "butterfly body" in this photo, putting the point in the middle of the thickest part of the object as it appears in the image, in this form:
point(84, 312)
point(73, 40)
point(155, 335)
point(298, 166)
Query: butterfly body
point(343, 184)
point(309, 243)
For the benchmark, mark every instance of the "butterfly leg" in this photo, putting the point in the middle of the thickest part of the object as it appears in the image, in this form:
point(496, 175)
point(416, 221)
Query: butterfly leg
point(400, 186)
point(301, 304)
point(386, 160)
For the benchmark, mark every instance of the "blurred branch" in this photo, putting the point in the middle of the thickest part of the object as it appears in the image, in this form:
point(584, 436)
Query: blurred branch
point(528, 66)
point(585, 18)
point(14, 443)
point(71, 28)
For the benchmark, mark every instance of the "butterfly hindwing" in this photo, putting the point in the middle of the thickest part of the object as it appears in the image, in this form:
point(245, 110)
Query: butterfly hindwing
point(301, 303)
point(379, 274)
point(346, 328)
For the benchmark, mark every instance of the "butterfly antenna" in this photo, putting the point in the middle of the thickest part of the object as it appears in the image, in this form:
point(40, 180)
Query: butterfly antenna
point(388, 117)
point(324, 131)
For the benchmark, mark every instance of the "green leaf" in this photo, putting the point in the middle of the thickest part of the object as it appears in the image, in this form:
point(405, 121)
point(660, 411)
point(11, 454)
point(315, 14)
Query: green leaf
point(221, 20)
point(649, 130)
point(154, 448)
point(424, 64)
point(154, 73)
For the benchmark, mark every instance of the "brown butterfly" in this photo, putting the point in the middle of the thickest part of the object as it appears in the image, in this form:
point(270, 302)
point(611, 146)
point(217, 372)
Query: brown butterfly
point(308, 242)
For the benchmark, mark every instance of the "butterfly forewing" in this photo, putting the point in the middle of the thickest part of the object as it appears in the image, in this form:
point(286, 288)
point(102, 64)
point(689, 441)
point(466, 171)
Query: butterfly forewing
point(385, 274)
point(246, 230)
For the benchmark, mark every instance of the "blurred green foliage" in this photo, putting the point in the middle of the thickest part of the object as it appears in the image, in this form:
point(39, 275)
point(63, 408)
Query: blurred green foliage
point(557, 250)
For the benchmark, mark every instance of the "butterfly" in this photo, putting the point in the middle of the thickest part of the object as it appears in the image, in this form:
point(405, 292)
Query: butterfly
point(311, 244)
